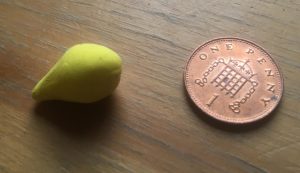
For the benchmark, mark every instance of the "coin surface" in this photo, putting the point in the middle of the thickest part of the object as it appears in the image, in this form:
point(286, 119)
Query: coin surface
point(233, 80)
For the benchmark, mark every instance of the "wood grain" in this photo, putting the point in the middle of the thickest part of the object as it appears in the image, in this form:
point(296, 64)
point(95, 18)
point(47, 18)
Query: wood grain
point(148, 125)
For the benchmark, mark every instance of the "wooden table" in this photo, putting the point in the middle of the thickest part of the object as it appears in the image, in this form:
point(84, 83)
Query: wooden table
point(148, 125)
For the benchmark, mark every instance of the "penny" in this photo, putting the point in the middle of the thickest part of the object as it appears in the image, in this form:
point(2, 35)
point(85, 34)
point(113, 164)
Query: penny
point(233, 80)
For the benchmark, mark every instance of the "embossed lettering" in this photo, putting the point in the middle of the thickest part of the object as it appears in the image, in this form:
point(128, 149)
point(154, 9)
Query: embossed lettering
point(261, 60)
point(250, 51)
point(229, 46)
point(271, 87)
point(266, 101)
point(203, 56)
point(214, 49)
point(269, 72)
point(212, 99)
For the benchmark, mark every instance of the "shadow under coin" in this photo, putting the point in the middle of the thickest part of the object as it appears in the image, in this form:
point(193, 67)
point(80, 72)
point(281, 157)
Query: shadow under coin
point(76, 119)
point(229, 127)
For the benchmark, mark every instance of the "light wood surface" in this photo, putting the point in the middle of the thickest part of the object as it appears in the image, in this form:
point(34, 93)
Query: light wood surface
point(148, 125)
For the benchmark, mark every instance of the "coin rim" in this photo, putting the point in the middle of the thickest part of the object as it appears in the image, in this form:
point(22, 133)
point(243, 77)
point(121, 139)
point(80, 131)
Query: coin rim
point(224, 118)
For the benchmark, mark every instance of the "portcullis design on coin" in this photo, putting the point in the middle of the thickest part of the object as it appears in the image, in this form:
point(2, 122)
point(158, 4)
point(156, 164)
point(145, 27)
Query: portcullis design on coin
point(233, 80)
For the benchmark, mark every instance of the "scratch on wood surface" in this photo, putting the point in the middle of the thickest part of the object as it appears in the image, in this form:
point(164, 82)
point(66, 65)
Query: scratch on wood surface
point(2, 47)
point(115, 164)
point(293, 168)
point(3, 169)
point(281, 148)
point(246, 165)
point(64, 169)
point(80, 2)
point(12, 85)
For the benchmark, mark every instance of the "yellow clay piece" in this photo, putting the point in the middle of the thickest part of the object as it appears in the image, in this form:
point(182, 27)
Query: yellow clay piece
point(86, 73)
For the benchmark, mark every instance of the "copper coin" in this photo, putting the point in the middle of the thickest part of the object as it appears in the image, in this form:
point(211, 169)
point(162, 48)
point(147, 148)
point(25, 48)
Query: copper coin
point(233, 80)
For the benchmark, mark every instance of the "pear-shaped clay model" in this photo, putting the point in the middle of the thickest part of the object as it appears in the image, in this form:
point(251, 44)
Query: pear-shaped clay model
point(86, 73)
